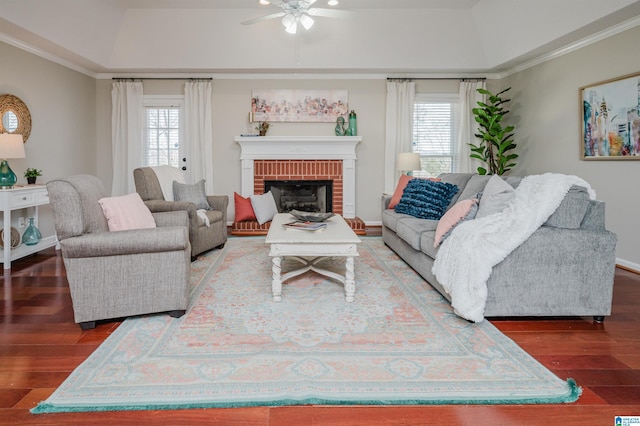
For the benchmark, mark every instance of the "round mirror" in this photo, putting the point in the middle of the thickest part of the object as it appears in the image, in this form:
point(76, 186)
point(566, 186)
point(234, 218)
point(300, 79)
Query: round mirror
point(15, 116)
point(10, 121)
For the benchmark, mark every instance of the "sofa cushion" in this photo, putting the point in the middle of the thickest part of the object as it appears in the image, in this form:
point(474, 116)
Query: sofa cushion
point(264, 206)
point(426, 199)
point(410, 229)
point(243, 208)
point(427, 240)
point(194, 193)
point(458, 179)
point(463, 210)
point(496, 196)
point(402, 184)
point(126, 212)
point(475, 185)
point(572, 209)
point(390, 219)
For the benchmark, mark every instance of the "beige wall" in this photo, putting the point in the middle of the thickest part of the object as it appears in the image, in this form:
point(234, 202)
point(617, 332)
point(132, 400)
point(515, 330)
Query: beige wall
point(62, 104)
point(547, 113)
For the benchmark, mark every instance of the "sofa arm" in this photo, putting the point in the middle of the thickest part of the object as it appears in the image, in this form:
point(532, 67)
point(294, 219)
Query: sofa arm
point(123, 243)
point(218, 202)
point(386, 199)
point(173, 218)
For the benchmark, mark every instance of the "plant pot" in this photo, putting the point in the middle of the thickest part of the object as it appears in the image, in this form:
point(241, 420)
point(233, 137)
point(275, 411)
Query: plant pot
point(31, 180)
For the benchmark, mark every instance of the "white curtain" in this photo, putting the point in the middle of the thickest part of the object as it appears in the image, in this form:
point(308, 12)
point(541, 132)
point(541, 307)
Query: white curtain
point(469, 98)
point(399, 128)
point(199, 132)
point(126, 134)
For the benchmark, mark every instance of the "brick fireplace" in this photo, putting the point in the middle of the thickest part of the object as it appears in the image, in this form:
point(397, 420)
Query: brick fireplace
point(274, 158)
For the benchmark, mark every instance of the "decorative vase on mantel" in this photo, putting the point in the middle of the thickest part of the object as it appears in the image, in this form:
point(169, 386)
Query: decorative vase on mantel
point(31, 235)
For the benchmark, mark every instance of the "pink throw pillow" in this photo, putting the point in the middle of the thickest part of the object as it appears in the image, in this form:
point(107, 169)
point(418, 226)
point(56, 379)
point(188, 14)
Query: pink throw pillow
point(402, 184)
point(126, 212)
point(462, 210)
point(244, 210)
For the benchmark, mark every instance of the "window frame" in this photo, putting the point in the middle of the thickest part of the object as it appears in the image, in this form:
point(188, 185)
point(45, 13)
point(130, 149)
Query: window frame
point(164, 101)
point(453, 100)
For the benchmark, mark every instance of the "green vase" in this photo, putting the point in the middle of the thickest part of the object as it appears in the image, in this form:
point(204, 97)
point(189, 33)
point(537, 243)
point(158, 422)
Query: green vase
point(353, 128)
point(32, 235)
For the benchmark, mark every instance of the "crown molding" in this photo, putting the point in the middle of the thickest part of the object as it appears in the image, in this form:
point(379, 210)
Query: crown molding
point(45, 55)
point(599, 36)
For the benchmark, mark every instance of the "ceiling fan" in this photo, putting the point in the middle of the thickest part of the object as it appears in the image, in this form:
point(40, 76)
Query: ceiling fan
point(297, 11)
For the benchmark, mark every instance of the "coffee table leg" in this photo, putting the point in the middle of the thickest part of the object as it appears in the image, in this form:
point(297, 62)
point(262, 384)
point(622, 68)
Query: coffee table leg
point(349, 282)
point(276, 282)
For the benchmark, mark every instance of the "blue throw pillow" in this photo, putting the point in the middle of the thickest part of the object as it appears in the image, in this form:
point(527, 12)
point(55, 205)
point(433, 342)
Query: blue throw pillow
point(426, 199)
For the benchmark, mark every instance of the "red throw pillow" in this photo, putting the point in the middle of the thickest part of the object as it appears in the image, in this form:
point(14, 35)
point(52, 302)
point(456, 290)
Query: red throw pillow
point(402, 183)
point(244, 210)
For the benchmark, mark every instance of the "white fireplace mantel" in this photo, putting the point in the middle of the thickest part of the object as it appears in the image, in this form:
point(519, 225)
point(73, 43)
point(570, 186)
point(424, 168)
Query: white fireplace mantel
point(302, 148)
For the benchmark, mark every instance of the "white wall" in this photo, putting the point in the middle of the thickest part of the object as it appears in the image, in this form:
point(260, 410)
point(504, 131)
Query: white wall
point(547, 112)
point(62, 104)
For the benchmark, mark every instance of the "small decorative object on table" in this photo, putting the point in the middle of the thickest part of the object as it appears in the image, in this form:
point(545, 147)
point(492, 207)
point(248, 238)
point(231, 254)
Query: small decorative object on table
point(32, 174)
point(15, 238)
point(305, 225)
point(310, 216)
point(31, 235)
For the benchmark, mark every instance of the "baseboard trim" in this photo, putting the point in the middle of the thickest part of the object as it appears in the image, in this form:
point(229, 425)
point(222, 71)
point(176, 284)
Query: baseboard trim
point(628, 266)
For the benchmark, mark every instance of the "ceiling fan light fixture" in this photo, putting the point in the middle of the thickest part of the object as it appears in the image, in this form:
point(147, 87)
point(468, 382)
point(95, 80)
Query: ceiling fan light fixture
point(293, 28)
point(333, 2)
point(264, 2)
point(306, 21)
point(288, 20)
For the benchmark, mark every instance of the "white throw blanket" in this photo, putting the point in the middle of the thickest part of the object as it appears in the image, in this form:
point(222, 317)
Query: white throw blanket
point(465, 260)
point(166, 175)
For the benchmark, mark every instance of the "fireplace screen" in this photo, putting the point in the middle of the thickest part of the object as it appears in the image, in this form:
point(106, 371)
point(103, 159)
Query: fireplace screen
point(303, 195)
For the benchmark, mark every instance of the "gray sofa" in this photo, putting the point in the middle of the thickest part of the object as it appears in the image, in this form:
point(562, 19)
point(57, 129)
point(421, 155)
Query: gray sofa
point(565, 268)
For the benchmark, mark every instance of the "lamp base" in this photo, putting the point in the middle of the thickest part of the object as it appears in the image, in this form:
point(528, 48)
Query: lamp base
point(7, 177)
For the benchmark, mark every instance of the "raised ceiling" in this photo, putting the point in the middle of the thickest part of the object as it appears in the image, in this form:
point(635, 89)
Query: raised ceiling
point(393, 37)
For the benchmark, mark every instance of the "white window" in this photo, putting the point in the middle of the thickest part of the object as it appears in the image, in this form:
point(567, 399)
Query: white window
point(435, 133)
point(163, 131)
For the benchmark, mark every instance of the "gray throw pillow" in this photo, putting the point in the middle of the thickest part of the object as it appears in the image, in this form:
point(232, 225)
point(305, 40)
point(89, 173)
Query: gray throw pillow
point(192, 193)
point(497, 194)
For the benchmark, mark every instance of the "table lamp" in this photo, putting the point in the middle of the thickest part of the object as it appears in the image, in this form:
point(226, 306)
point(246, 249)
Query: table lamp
point(11, 146)
point(409, 161)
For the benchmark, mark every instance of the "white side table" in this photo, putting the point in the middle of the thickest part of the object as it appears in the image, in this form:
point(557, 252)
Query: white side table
point(22, 197)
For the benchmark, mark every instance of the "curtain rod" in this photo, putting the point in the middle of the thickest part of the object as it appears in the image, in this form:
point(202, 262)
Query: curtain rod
point(160, 78)
point(436, 78)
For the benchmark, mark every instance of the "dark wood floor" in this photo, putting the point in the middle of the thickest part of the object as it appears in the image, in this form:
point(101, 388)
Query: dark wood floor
point(40, 345)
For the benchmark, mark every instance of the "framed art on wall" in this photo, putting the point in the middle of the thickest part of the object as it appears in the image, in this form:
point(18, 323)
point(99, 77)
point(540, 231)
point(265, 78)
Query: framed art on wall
point(610, 119)
point(310, 106)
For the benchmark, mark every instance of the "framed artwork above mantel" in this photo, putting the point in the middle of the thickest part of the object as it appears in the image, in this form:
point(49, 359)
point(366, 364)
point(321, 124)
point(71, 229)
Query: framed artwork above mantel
point(300, 106)
point(610, 125)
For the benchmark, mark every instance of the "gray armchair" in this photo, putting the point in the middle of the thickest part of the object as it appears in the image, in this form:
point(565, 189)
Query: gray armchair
point(201, 236)
point(120, 273)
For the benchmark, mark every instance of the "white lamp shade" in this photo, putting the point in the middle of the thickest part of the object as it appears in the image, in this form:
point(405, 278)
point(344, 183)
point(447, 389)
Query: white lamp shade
point(11, 146)
point(409, 161)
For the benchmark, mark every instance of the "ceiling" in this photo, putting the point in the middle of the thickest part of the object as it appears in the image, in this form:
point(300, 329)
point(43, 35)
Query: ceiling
point(391, 37)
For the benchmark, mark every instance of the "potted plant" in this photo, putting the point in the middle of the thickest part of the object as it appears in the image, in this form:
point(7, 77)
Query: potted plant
point(263, 127)
point(496, 140)
point(32, 174)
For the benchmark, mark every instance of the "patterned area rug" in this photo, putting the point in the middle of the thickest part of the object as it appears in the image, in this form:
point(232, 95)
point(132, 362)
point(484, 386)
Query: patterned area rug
point(398, 343)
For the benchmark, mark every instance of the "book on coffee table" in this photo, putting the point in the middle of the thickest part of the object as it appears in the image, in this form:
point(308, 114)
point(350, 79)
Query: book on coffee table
point(305, 225)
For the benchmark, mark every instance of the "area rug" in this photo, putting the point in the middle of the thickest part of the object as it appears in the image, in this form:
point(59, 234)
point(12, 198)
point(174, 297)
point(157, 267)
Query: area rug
point(398, 343)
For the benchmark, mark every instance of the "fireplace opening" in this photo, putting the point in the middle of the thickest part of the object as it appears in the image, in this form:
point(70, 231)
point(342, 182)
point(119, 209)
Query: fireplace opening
point(304, 195)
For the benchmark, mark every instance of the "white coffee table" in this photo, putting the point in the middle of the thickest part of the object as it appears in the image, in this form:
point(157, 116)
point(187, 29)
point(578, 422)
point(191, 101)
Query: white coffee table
point(309, 248)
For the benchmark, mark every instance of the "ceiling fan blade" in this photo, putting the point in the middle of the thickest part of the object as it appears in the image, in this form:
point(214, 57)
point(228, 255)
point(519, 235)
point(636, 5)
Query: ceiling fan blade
point(263, 18)
point(328, 13)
